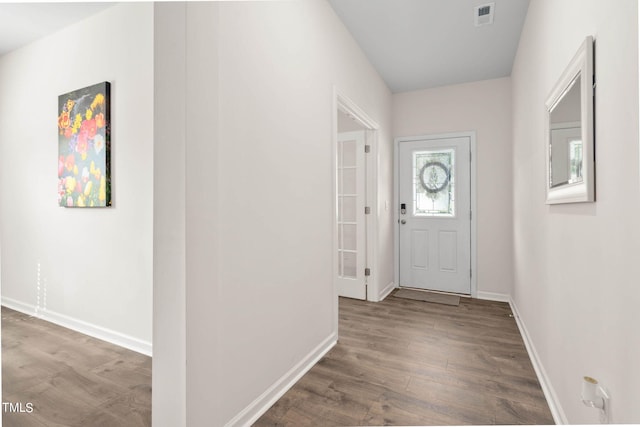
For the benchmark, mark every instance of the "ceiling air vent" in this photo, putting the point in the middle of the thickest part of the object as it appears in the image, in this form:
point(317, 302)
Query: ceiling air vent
point(483, 14)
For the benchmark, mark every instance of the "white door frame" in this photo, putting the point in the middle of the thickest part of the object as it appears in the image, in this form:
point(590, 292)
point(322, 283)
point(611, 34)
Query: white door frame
point(342, 102)
point(396, 207)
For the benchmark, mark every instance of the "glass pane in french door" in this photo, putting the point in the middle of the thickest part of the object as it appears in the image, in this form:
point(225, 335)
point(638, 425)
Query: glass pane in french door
point(347, 225)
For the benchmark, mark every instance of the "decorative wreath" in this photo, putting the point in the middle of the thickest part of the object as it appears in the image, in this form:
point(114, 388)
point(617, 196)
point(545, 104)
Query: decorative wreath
point(435, 187)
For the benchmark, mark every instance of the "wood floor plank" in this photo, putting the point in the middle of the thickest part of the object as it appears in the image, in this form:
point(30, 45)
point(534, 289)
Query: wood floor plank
point(459, 400)
point(403, 362)
point(130, 409)
point(514, 412)
point(358, 370)
point(70, 378)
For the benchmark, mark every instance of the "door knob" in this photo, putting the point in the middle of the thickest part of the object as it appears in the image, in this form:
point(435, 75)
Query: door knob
point(403, 221)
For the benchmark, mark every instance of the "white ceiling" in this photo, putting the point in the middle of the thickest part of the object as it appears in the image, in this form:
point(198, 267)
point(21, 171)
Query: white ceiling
point(22, 23)
point(414, 44)
point(418, 44)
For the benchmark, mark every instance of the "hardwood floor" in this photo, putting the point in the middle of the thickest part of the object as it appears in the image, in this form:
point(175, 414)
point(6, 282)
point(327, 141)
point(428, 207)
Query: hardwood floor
point(404, 362)
point(70, 379)
point(398, 362)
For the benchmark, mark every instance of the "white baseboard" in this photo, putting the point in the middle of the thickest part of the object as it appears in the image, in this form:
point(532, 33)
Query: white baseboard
point(386, 291)
point(557, 412)
point(81, 326)
point(18, 306)
point(493, 296)
point(259, 406)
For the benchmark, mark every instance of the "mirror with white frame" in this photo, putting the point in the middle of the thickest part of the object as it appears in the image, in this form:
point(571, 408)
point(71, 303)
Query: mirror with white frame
point(569, 140)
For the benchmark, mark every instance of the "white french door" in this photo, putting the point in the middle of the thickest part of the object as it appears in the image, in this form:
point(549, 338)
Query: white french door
point(351, 175)
point(434, 179)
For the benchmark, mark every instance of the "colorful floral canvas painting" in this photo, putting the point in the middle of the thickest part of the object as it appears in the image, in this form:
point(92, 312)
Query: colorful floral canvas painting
point(84, 155)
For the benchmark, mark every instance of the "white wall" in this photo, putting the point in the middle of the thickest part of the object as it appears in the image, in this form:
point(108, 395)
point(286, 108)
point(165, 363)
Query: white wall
point(92, 265)
point(1, 321)
point(278, 63)
point(203, 249)
point(255, 224)
point(576, 266)
point(483, 107)
point(169, 400)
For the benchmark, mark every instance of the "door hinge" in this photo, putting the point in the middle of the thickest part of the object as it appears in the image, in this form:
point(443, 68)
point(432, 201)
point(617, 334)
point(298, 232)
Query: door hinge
point(367, 148)
point(470, 273)
point(367, 210)
point(470, 155)
point(470, 215)
point(367, 271)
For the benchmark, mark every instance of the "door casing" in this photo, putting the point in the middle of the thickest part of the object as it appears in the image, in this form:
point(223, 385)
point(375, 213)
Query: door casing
point(396, 203)
point(344, 103)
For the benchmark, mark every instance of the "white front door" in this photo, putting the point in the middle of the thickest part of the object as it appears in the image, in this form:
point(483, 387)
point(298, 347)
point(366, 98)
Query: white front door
point(435, 214)
point(351, 280)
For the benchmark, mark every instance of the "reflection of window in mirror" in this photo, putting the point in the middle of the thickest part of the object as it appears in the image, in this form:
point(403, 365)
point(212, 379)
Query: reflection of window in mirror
point(566, 130)
point(565, 154)
point(575, 161)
